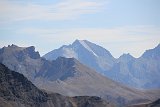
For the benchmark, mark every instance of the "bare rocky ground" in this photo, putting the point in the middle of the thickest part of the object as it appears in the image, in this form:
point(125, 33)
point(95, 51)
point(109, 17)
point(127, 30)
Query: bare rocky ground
point(17, 91)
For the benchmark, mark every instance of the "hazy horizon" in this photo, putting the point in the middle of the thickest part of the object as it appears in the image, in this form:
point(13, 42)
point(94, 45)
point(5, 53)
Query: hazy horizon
point(70, 44)
point(118, 26)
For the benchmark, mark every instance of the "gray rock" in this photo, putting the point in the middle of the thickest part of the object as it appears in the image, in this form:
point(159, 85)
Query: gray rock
point(17, 91)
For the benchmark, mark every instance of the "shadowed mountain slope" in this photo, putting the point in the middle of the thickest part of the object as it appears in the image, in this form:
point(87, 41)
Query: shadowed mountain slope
point(17, 91)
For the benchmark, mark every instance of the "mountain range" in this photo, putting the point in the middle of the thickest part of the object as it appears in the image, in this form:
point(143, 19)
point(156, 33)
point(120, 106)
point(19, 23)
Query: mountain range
point(70, 77)
point(134, 72)
point(18, 91)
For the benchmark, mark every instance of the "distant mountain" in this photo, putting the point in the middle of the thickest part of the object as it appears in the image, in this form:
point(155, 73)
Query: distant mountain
point(135, 72)
point(142, 72)
point(87, 53)
point(68, 76)
point(125, 58)
point(17, 91)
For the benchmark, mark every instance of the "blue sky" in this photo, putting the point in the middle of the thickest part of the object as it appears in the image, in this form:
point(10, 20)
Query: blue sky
point(120, 26)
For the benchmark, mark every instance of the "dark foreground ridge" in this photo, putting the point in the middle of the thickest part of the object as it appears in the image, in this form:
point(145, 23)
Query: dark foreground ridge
point(17, 91)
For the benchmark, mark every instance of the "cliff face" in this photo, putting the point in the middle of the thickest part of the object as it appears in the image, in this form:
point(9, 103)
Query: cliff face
point(17, 91)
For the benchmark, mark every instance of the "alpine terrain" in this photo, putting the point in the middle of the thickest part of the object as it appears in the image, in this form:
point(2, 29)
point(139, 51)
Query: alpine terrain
point(69, 77)
point(17, 91)
point(135, 72)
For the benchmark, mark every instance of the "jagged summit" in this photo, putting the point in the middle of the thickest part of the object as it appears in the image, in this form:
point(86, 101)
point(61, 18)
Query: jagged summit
point(125, 57)
point(12, 45)
point(152, 53)
point(21, 51)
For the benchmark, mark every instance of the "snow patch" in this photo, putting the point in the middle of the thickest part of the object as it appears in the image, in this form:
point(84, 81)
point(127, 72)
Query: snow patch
point(69, 53)
point(87, 47)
